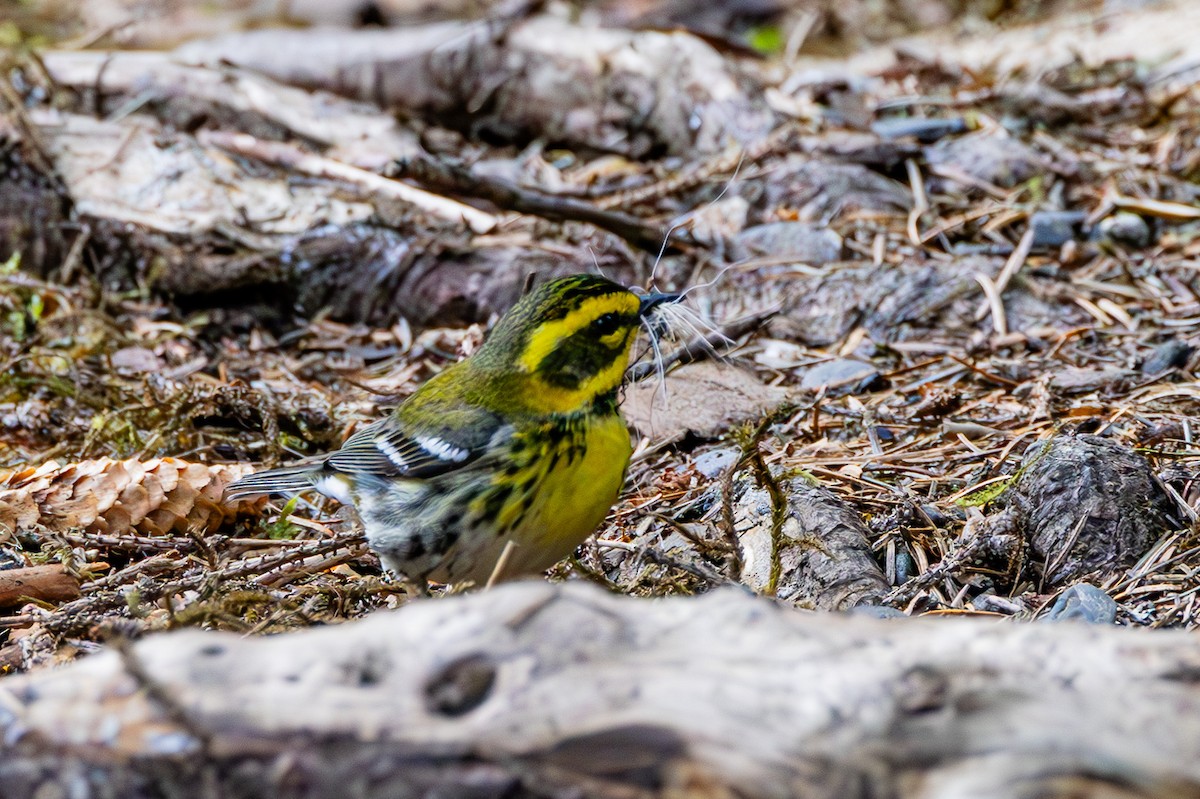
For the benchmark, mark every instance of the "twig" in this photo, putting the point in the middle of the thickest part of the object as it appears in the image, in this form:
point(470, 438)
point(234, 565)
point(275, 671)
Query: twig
point(658, 558)
point(265, 563)
point(152, 564)
point(728, 528)
point(501, 562)
point(920, 201)
point(1014, 263)
point(994, 303)
point(447, 177)
point(994, 535)
point(290, 572)
point(37, 147)
point(986, 375)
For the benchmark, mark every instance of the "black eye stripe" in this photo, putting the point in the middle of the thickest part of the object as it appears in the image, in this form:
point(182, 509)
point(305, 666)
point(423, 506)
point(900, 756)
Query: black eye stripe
point(586, 353)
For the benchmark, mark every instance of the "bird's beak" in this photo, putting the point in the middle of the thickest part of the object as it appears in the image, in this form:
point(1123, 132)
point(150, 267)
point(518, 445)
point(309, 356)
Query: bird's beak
point(655, 299)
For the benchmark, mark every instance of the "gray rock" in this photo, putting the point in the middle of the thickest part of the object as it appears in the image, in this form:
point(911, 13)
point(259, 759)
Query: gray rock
point(854, 376)
point(1090, 505)
point(715, 461)
point(1083, 602)
point(991, 603)
point(1124, 228)
point(923, 130)
point(797, 241)
point(820, 189)
point(1056, 228)
point(878, 612)
point(1172, 354)
point(1001, 160)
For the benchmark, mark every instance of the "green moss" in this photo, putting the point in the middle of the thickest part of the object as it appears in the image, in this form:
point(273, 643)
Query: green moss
point(802, 473)
point(11, 266)
point(989, 493)
point(237, 609)
point(985, 495)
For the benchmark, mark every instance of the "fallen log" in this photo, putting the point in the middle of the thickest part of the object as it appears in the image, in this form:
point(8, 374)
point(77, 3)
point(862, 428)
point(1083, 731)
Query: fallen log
point(637, 93)
point(536, 690)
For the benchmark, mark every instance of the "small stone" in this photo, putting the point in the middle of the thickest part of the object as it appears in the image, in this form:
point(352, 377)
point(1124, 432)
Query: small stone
point(989, 602)
point(1002, 160)
point(1083, 602)
point(774, 353)
point(877, 612)
point(852, 376)
point(171, 743)
point(1072, 380)
point(1053, 229)
point(135, 360)
point(704, 398)
point(935, 516)
point(715, 461)
point(720, 220)
point(1172, 354)
point(796, 241)
point(1124, 228)
point(926, 131)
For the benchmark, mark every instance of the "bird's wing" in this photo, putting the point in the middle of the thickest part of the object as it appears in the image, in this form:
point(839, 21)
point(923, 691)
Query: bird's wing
point(394, 447)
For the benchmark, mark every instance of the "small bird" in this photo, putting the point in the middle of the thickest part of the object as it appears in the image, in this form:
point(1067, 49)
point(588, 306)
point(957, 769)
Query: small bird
point(502, 464)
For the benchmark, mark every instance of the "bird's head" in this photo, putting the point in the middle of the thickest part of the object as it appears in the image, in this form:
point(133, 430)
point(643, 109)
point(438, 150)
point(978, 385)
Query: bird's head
point(568, 341)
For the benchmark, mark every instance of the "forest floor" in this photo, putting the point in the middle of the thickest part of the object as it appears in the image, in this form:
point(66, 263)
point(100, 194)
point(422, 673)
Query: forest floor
point(956, 277)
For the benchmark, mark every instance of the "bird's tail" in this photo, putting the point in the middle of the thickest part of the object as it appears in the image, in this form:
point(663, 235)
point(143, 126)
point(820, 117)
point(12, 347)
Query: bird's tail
point(288, 480)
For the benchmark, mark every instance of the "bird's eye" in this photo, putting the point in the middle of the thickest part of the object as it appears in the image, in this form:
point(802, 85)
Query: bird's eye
point(606, 323)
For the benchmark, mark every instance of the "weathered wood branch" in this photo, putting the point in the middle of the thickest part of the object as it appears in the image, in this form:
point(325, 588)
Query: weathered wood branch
point(443, 176)
point(535, 690)
point(51, 583)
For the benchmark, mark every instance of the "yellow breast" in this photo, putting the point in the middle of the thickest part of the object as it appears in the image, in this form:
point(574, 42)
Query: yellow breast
point(572, 497)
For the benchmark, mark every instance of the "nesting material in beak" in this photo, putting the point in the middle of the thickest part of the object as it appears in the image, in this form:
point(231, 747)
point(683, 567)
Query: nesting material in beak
point(655, 299)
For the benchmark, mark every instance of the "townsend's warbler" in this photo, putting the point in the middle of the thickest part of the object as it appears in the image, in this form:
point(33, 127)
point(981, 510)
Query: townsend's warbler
point(521, 444)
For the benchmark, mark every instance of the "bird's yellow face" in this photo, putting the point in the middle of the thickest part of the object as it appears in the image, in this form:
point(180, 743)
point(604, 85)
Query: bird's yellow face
point(568, 341)
point(582, 355)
